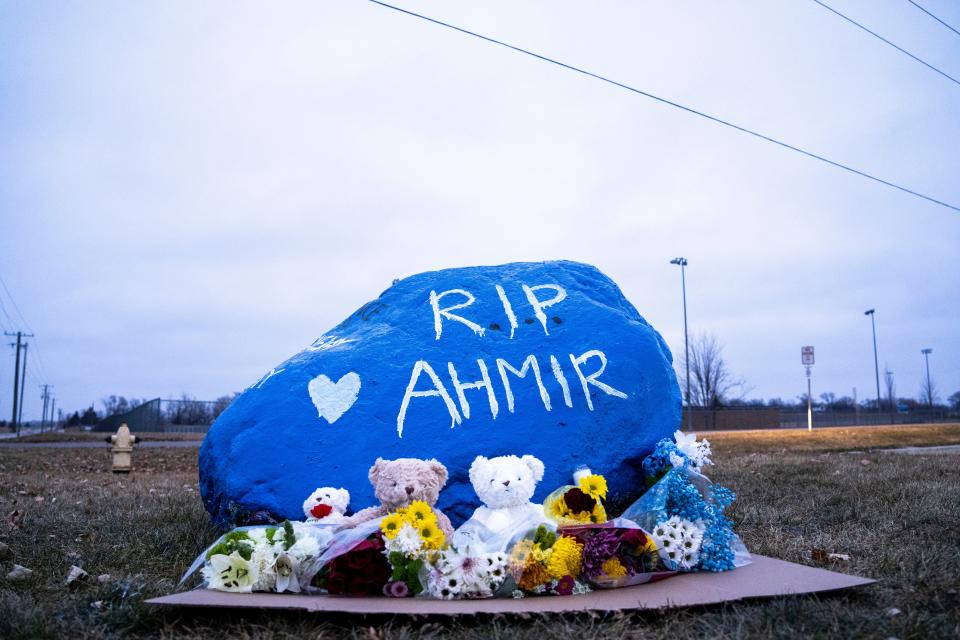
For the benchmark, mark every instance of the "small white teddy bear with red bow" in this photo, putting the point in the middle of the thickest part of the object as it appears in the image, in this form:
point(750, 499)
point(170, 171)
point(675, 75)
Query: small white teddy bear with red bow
point(326, 505)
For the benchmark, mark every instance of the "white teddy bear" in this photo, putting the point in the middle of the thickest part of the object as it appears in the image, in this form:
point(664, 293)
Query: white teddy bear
point(505, 485)
point(326, 505)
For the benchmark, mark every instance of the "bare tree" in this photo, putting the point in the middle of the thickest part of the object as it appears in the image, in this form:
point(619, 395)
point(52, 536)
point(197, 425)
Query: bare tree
point(220, 404)
point(928, 392)
point(711, 382)
point(891, 388)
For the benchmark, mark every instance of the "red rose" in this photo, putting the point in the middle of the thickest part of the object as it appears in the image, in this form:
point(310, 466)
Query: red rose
point(361, 571)
point(633, 538)
point(578, 501)
point(321, 511)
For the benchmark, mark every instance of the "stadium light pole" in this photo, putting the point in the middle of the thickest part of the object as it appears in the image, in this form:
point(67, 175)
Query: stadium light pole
point(926, 356)
point(876, 361)
point(682, 262)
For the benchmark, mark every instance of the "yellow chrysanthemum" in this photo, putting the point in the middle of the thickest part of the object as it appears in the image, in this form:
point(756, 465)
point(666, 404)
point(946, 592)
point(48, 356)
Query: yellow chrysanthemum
point(418, 512)
point(613, 568)
point(566, 557)
point(533, 575)
point(391, 525)
point(431, 535)
point(537, 554)
point(594, 485)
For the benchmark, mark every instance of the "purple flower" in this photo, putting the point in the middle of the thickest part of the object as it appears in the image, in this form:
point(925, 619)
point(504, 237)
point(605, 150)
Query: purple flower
point(399, 589)
point(564, 586)
point(599, 548)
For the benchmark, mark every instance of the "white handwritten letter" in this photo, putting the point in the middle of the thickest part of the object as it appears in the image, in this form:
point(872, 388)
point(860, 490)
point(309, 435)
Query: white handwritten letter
point(483, 383)
point(507, 309)
point(438, 390)
point(562, 379)
point(529, 363)
point(439, 314)
point(540, 305)
point(592, 378)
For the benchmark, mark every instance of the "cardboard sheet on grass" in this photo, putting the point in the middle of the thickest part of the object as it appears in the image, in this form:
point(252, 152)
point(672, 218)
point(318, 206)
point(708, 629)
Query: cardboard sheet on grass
point(764, 578)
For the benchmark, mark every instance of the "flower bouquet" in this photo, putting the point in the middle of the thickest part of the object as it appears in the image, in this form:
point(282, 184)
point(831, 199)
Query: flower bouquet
point(411, 539)
point(581, 504)
point(261, 559)
point(684, 511)
point(617, 554)
point(546, 562)
point(460, 574)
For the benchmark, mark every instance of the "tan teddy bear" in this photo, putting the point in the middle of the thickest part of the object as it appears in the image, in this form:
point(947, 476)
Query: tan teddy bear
point(399, 482)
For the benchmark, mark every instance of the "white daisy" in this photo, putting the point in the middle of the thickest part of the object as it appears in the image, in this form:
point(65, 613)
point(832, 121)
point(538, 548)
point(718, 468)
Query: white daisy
point(697, 452)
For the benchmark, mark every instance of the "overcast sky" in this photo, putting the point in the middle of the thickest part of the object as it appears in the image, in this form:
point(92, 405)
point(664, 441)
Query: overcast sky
point(192, 192)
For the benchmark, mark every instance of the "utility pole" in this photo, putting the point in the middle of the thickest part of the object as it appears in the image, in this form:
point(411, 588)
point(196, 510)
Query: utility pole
point(19, 378)
point(46, 401)
point(926, 355)
point(23, 384)
point(876, 361)
point(53, 406)
point(856, 408)
point(16, 377)
point(682, 262)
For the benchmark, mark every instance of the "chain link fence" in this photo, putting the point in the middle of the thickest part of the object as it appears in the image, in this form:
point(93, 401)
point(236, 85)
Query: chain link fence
point(167, 416)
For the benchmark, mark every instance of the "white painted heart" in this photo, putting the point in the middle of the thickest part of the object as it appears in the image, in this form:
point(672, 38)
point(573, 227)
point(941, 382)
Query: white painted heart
point(333, 399)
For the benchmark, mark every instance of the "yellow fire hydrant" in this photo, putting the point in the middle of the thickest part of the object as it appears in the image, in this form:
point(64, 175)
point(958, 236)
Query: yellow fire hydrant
point(122, 449)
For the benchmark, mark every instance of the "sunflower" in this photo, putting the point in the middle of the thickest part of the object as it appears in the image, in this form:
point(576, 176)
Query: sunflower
point(391, 525)
point(431, 534)
point(613, 568)
point(557, 509)
point(419, 512)
point(565, 557)
point(598, 515)
point(594, 485)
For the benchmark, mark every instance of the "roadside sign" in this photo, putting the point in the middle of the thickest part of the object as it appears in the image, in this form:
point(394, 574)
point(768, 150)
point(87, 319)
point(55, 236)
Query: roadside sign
point(806, 355)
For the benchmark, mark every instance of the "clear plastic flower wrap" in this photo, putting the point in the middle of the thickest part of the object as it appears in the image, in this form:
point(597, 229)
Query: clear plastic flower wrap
point(263, 558)
point(354, 563)
point(465, 572)
point(543, 561)
point(684, 513)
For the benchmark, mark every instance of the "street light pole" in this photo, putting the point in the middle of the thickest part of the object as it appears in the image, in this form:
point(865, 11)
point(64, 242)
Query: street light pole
point(876, 361)
point(926, 356)
point(686, 340)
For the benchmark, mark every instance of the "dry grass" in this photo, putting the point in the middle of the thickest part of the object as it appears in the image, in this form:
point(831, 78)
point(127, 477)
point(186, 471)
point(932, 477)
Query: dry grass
point(88, 436)
point(832, 438)
point(895, 515)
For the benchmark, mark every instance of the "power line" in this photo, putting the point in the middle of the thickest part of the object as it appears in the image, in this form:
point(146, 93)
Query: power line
point(671, 103)
point(934, 17)
point(3, 309)
point(36, 348)
point(15, 307)
point(880, 37)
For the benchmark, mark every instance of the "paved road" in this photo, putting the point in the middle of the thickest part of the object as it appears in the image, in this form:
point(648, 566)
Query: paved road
point(87, 444)
point(918, 451)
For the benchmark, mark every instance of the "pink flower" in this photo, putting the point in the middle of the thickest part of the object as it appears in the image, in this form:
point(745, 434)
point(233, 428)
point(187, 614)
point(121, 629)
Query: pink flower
point(399, 589)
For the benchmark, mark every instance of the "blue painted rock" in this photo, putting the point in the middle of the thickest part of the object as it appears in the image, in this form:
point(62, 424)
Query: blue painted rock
point(545, 358)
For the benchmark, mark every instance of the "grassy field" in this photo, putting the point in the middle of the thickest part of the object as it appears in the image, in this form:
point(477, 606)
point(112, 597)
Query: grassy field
point(897, 517)
point(73, 435)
